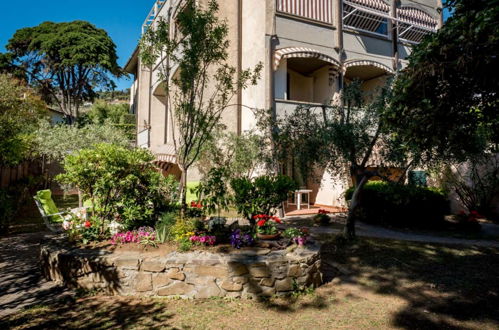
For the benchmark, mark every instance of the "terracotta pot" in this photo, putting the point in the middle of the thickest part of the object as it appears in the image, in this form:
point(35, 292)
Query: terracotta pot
point(268, 237)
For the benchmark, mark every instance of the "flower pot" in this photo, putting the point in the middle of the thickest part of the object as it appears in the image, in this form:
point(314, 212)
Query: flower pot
point(268, 237)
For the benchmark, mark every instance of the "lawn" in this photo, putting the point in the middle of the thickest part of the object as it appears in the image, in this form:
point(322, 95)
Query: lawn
point(383, 284)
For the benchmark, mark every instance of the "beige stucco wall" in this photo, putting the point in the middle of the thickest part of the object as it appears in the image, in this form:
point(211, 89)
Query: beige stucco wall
point(255, 50)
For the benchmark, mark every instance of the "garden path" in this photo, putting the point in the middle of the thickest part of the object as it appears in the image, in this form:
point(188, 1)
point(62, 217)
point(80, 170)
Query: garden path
point(366, 230)
point(21, 282)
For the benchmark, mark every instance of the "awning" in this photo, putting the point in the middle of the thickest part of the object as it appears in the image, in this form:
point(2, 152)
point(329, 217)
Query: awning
point(352, 63)
point(378, 5)
point(417, 17)
point(302, 52)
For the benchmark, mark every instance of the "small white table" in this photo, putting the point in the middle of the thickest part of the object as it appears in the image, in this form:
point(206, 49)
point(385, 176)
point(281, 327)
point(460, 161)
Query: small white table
point(298, 198)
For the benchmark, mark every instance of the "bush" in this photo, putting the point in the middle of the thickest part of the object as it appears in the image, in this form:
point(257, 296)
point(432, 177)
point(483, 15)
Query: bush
point(261, 195)
point(122, 182)
point(401, 205)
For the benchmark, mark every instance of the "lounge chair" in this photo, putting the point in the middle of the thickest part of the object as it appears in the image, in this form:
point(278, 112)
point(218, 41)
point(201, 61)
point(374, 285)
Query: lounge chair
point(51, 215)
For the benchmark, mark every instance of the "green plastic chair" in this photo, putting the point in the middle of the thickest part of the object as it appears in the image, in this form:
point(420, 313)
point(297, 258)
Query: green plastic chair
point(51, 215)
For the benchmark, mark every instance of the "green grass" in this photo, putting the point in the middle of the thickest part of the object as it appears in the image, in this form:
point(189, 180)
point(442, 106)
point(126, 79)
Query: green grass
point(191, 196)
point(385, 284)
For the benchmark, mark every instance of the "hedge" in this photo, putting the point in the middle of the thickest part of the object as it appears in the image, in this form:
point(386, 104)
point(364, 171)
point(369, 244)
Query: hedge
point(400, 205)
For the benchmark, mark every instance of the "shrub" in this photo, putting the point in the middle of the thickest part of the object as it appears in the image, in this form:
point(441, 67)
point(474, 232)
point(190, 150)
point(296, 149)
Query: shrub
point(261, 195)
point(212, 191)
point(122, 182)
point(164, 226)
point(401, 205)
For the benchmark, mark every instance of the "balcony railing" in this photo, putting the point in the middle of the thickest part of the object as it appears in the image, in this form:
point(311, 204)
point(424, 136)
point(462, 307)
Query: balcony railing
point(369, 16)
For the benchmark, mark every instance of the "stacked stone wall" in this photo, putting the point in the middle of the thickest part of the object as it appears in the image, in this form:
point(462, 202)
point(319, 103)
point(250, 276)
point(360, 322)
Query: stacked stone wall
point(244, 273)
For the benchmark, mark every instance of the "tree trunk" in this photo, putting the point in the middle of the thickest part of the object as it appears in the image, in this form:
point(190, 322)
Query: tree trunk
point(349, 229)
point(183, 193)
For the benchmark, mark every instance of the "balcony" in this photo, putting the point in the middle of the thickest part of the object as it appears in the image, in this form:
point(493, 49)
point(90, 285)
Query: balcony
point(304, 76)
point(373, 17)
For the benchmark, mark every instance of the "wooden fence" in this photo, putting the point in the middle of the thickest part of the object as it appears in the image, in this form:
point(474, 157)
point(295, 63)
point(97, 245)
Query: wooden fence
point(11, 174)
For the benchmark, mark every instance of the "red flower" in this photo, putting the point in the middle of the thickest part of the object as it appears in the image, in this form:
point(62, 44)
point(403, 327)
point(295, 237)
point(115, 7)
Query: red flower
point(88, 224)
point(276, 219)
point(261, 223)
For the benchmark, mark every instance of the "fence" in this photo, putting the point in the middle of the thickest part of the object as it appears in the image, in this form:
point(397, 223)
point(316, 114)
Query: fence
point(12, 174)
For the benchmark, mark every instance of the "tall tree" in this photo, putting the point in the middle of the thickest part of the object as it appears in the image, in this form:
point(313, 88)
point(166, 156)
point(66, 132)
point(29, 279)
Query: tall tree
point(65, 61)
point(20, 109)
point(194, 42)
point(445, 102)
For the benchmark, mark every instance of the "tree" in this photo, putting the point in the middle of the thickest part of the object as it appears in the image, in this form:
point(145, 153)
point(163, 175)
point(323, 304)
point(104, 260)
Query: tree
point(341, 139)
point(117, 115)
point(65, 61)
point(56, 142)
point(445, 101)
point(202, 88)
point(20, 109)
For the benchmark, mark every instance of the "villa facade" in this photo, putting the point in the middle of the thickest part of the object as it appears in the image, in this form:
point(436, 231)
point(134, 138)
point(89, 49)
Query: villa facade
point(309, 49)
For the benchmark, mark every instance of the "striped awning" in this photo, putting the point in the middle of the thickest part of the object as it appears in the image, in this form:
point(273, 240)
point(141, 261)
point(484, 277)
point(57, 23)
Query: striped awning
point(317, 10)
point(302, 52)
point(417, 17)
point(352, 63)
point(378, 5)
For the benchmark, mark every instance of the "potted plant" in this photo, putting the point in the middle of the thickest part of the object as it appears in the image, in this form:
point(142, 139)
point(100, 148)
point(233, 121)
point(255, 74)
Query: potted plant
point(322, 217)
point(297, 236)
point(266, 226)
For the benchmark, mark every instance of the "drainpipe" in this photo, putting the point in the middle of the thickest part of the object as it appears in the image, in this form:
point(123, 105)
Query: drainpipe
point(339, 47)
point(239, 63)
point(393, 13)
point(339, 26)
point(440, 10)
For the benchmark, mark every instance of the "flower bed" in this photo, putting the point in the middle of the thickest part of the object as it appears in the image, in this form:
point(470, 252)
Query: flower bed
point(247, 272)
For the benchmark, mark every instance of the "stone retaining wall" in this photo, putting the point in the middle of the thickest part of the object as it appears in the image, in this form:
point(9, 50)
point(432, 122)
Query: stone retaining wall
point(242, 273)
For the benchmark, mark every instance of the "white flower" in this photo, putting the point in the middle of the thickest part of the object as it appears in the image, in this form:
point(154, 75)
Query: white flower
point(115, 227)
point(66, 225)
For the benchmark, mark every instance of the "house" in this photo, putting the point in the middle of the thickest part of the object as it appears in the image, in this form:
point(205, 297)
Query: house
point(309, 49)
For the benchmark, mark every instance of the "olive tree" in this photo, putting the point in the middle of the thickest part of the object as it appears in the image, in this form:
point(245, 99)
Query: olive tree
point(342, 139)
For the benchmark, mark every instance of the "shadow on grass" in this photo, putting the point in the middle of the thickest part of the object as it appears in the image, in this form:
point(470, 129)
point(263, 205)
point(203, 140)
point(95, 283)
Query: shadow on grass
point(444, 286)
point(92, 313)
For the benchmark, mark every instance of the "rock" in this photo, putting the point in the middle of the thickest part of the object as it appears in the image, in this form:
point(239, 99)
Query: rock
point(252, 287)
point(177, 288)
point(159, 280)
point(209, 289)
point(237, 268)
point(175, 274)
point(294, 270)
point(268, 291)
point(200, 270)
point(127, 263)
point(284, 285)
point(267, 282)
point(231, 286)
point(259, 270)
point(336, 280)
point(152, 265)
point(143, 282)
point(240, 279)
point(261, 252)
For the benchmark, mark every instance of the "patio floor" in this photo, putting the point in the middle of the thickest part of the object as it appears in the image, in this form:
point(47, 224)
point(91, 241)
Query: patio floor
point(291, 210)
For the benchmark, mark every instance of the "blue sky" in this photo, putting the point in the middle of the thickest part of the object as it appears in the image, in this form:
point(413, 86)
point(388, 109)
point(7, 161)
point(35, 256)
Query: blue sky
point(122, 19)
